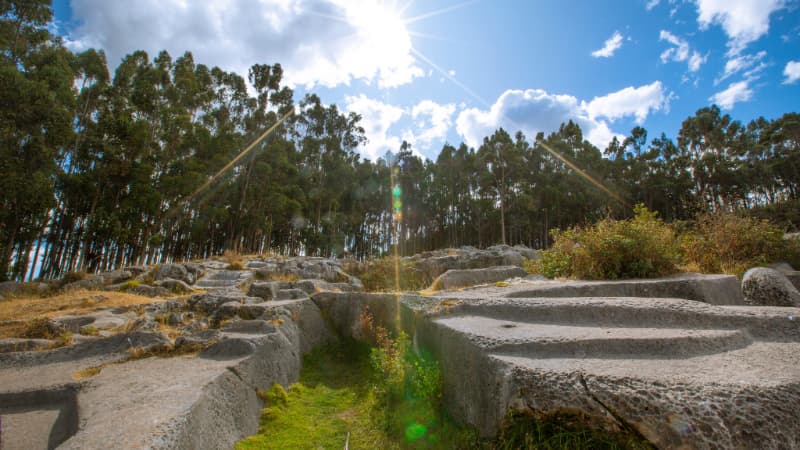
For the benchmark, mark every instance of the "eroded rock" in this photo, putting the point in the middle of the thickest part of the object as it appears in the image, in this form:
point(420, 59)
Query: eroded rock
point(768, 287)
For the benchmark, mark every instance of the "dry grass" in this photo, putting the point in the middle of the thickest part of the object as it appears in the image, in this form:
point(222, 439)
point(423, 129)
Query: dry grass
point(89, 372)
point(72, 302)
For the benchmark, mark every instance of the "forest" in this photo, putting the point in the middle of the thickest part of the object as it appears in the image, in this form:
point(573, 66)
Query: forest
point(100, 170)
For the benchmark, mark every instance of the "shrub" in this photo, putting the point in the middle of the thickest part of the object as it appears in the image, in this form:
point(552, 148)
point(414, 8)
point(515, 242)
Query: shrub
point(236, 265)
point(641, 247)
point(71, 277)
point(730, 243)
point(130, 284)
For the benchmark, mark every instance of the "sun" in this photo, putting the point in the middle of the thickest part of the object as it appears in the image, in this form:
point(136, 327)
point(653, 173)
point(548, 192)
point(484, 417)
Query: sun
point(380, 24)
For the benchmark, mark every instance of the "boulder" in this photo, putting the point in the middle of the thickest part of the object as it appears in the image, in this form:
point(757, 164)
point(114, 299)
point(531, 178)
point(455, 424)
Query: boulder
point(229, 349)
point(769, 287)
point(89, 283)
point(117, 276)
point(227, 310)
point(173, 285)
point(263, 289)
point(149, 291)
point(175, 271)
point(454, 279)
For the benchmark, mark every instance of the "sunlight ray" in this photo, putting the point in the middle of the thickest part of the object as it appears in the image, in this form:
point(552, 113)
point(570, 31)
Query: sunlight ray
point(439, 11)
point(557, 155)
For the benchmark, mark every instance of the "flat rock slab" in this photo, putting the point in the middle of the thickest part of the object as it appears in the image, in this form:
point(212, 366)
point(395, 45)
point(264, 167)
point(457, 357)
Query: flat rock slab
point(460, 278)
point(683, 373)
point(712, 289)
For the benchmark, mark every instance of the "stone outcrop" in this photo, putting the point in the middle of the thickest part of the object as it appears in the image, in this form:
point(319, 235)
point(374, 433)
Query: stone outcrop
point(661, 357)
point(768, 287)
point(454, 278)
point(435, 263)
point(683, 374)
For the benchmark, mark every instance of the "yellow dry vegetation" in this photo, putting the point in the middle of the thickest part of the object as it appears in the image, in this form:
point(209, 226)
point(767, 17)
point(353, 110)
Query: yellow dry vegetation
point(16, 311)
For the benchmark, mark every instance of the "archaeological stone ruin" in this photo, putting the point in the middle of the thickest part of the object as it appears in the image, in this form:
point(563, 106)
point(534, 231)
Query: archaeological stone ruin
point(689, 361)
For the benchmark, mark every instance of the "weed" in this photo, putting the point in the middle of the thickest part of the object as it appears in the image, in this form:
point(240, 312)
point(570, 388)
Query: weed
point(275, 322)
point(130, 284)
point(41, 328)
point(641, 247)
point(731, 243)
point(236, 265)
point(83, 374)
point(501, 284)
point(89, 330)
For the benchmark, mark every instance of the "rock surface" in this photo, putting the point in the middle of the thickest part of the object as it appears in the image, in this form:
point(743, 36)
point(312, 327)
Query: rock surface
point(768, 287)
point(683, 374)
point(454, 279)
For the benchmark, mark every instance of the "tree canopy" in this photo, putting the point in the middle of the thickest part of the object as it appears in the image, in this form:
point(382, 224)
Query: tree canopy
point(99, 170)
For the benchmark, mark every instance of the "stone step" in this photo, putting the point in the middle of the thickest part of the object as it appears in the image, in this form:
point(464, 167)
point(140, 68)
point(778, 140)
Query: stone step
point(216, 283)
point(227, 275)
point(767, 323)
point(534, 340)
point(761, 364)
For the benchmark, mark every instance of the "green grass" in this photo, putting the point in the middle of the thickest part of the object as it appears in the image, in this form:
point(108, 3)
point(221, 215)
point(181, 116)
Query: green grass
point(339, 392)
point(336, 396)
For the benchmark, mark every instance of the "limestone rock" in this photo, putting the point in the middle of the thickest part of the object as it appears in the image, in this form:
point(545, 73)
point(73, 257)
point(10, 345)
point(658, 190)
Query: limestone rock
point(173, 285)
point(768, 287)
point(453, 279)
point(175, 271)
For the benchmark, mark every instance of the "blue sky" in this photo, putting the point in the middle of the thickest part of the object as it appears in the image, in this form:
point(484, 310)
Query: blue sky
point(432, 72)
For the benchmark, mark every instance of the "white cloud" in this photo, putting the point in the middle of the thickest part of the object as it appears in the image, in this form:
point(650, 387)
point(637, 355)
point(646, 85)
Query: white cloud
point(652, 4)
point(749, 64)
point(534, 110)
point(735, 93)
point(438, 123)
point(327, 42)
point(376, 118)
point(451, 72)
point(631, 101)
point(791, 72)
point(744, 21)
point(612, 44)
point(680, 52)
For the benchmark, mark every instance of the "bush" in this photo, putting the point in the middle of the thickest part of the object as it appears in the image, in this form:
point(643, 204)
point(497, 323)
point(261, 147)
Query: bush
point(730, 243)
point(641, 247)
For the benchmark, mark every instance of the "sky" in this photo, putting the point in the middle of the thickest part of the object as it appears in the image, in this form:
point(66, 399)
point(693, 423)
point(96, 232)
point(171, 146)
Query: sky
point(451, 71)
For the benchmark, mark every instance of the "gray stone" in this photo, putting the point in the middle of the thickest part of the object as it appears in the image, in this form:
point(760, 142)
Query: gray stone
point(263, 289)
point(24, 345)
point(117, 276)
point(713, 289)
point(197, 270)
point(290, 294)
point(230, 348)
point(197, 341)
point(148, 291)
point(249, 327)
point(253, 310)
point(454, 279)
point(175, 271)
point(174, 286)
point(72, 323)
point(90, 283)
point(768, 287)
point(227, 310)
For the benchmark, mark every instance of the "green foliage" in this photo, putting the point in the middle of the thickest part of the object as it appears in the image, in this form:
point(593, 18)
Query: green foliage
point(89, 330)
point(130, 284)
point(731, 243)
point(564, 431)
point(641, 247)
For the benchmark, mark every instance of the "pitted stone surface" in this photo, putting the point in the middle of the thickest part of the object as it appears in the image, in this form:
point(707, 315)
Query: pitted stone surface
point(765, 286)
point(684, 374)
